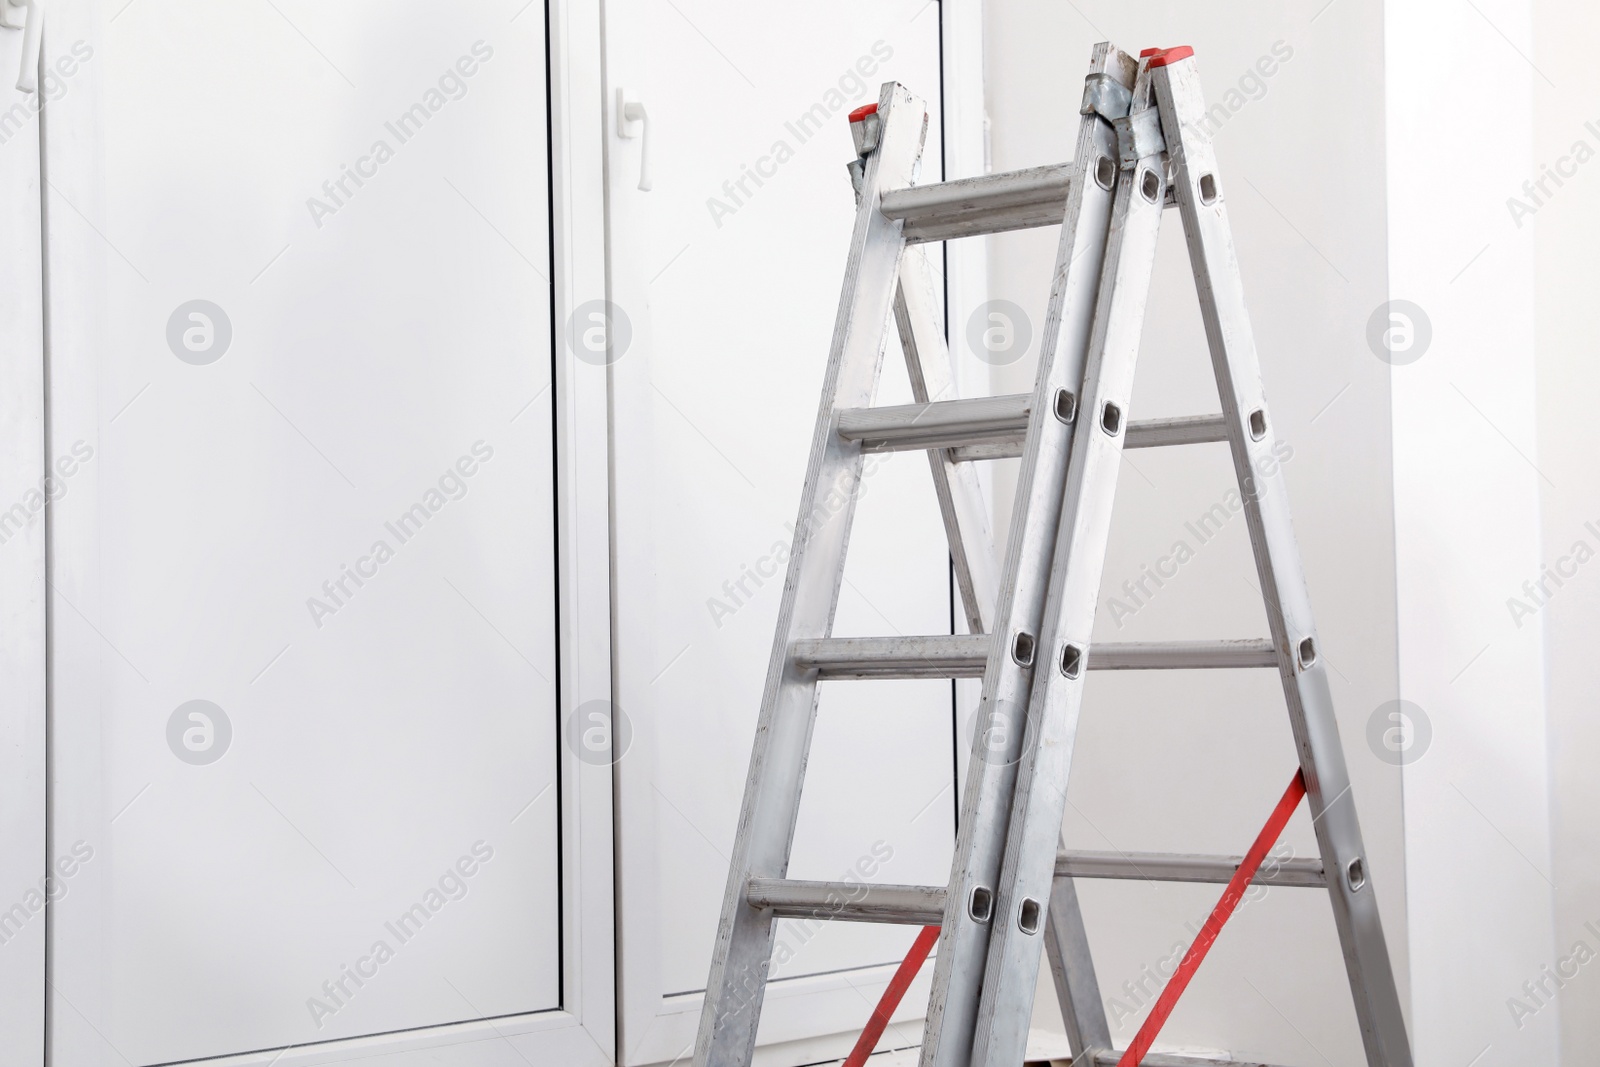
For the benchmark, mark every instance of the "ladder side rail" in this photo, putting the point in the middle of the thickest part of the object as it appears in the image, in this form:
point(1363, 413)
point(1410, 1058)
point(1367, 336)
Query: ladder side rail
point(1040, 798)
point(1066, 944)
point(1201, 201)
point(741, 956)
point(951, 1021)
point(961, 500)
point(976, 566)
point(974, 560)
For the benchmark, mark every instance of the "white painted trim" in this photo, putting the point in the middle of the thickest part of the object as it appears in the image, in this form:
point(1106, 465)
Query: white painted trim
point(23, 858)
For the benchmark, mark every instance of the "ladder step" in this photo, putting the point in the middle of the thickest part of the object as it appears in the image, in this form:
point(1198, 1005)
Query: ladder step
point(1182, 655)
point(855, 902)
point(924, 904)
point(1142, 433)
point(990, 203)
point(966, 655)
point(1178, 867)
point(1180, 430)
point(941, 656)
point(940, 424)
point(1109, 1058)
point(992, 427)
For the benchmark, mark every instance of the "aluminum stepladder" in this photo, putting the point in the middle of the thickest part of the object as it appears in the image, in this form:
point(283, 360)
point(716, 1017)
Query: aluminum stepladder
point(1011, 892)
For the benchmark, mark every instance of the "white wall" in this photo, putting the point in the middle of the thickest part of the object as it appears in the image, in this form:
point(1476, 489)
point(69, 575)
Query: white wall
point(1374, 164)
point(1194, 762)
point(1467, 496)
point(1567, 319)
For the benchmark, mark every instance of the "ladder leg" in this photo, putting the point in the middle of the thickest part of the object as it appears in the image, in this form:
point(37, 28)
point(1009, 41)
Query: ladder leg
point(977, 577)
point(1040, 798)
point(961, 503)
point(973, 559)
point(1201, 203)
point(741, 957)
point(1066, 945)
point(980, 839)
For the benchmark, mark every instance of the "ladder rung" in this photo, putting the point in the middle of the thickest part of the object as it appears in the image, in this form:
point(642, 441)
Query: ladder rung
point(856, 902)
point(991, 203)
point(940, 424)
point(992, 427)
point(1178, 867)
point(1142, 433)
point(1007, 449)
point(965, 655)
point(1110, 1058)
point(940, 656)
point(1182, 655)
point(1182, 430)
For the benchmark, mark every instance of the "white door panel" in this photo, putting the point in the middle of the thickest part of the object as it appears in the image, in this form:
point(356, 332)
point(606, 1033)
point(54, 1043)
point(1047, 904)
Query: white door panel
point(728, 273)
point(323, 502)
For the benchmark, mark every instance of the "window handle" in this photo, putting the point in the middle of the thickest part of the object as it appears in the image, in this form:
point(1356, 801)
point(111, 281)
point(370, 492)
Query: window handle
point(31, 26)
point(628, 113)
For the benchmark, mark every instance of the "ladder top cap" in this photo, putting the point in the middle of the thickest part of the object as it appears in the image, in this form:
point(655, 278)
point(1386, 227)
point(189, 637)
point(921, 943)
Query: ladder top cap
point(1161, 57)
point(860, 113)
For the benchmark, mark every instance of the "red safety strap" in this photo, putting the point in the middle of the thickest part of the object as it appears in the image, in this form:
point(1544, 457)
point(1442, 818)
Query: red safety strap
point(1219, 915)
point(891, 996)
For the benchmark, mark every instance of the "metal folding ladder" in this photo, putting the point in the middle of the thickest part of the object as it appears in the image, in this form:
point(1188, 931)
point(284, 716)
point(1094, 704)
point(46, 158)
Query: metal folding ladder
point(1140, 149)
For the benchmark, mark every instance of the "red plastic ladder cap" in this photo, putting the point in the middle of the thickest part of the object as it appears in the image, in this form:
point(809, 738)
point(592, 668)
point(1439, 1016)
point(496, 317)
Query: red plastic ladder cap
point(863, 111)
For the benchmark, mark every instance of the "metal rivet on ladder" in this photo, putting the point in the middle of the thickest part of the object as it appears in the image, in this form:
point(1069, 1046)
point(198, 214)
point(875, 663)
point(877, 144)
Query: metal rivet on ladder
point(1150, 186)
point(1355, 875)
point(1071, 660)
point(1111, 418)
point(1028, 917)
point(1308, 652)
point(1105, 172)
point(1022, 649)
point(1208, 188)
point(981, 904)
point(1066, 405)
point(1258, 424)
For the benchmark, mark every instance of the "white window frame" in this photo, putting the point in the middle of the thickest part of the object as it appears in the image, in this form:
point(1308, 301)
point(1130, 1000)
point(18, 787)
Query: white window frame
point(23, 858)
point(582, 1032)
